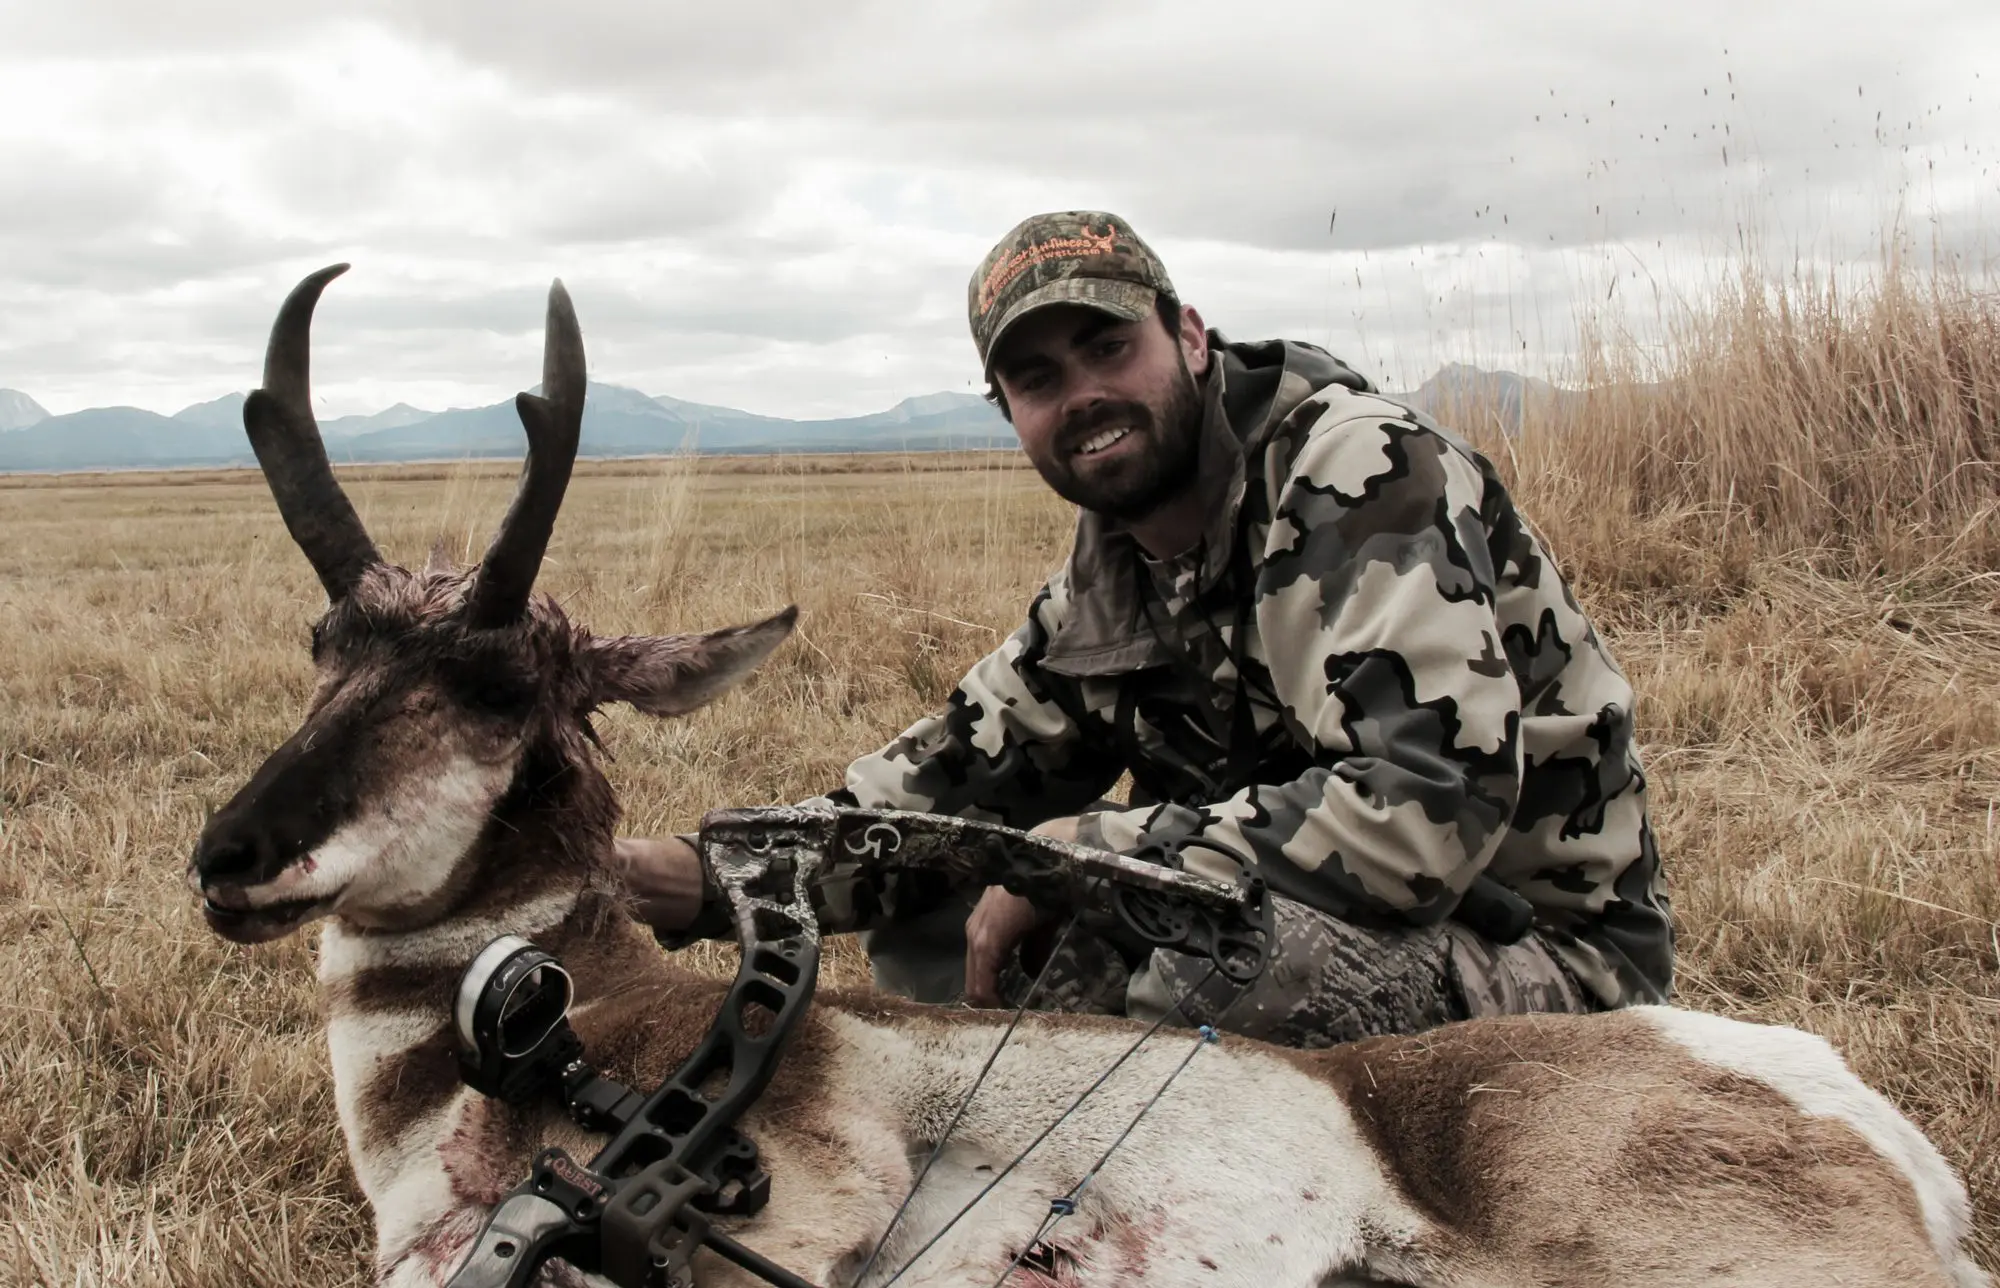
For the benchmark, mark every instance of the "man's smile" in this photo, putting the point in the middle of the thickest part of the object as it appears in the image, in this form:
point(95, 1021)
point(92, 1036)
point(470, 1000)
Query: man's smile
point(1103, 439)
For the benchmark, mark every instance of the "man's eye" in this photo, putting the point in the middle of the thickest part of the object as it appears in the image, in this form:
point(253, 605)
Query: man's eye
point(1111, 346)
point(1033, 382)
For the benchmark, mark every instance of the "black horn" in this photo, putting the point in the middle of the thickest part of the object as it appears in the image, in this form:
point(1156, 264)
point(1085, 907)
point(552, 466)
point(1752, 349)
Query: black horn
point(283, 433)
point(554, 421)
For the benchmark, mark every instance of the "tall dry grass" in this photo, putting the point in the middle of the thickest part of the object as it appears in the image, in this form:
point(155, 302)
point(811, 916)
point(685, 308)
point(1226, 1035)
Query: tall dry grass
point(1783, 522)
point(1788, 521)
point(1856, 428)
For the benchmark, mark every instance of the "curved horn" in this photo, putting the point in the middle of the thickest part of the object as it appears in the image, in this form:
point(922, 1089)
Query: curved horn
point(554, 421)
point(283, 433)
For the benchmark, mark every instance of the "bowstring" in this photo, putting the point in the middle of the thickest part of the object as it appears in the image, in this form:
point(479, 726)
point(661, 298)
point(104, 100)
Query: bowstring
point(1061, 1118)
point(1066, 1205)
point(1034, 987)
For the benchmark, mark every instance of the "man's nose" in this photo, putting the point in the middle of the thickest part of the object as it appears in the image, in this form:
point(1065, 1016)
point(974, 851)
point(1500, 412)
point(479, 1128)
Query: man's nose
point(1083, 393)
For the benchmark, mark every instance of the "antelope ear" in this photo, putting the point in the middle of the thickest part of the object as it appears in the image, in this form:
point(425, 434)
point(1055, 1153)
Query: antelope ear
point(671, 675)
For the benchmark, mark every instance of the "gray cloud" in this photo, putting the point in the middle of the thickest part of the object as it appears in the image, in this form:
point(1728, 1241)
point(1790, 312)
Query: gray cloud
point(777, 205)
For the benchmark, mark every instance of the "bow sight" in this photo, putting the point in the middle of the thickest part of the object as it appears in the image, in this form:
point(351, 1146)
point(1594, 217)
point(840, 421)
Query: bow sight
point(513, 1021)
point(641, 1207)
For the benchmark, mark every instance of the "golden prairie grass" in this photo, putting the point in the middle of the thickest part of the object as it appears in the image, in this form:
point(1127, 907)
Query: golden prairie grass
point(1784, 526)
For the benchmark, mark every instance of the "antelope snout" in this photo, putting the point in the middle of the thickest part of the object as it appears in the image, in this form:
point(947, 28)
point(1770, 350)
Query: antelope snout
point(246, 877)
point(231, 854)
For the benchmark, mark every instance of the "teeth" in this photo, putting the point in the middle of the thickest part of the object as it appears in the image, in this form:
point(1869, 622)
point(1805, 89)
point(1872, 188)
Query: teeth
point(1103, 440)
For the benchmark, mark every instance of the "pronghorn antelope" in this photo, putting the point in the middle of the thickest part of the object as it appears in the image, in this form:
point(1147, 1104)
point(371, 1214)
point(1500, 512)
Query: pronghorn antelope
point(442, 791)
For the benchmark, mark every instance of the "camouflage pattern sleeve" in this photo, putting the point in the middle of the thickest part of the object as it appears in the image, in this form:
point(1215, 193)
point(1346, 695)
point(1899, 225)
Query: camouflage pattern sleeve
point(1013, 744)
point(1375, 616)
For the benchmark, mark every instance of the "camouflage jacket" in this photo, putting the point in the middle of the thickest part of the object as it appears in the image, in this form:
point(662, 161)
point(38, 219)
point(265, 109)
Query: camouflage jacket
point(1414, 695)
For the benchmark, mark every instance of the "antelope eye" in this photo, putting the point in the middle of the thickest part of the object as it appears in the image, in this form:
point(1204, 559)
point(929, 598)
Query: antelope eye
point(488, 687)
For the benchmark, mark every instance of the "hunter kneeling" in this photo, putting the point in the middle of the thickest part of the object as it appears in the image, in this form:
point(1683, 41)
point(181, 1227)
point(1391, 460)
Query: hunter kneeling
point(1312, 626)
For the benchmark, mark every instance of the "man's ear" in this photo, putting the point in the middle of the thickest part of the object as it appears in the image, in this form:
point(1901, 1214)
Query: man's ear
point(1194, 341)
point(671, 675)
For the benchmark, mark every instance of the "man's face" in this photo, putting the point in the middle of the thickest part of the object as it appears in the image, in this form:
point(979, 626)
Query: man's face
point(1106, 409)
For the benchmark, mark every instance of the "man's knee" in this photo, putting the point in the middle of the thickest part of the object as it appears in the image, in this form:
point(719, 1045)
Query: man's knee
point(1328, 981)
point(1332, 981)
point(1511, 979)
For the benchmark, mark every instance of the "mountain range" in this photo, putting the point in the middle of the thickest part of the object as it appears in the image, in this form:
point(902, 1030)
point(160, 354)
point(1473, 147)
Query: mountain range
point(617, 421)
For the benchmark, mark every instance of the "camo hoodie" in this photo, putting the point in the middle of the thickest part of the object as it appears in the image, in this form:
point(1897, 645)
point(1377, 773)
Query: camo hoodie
point(1425, 698)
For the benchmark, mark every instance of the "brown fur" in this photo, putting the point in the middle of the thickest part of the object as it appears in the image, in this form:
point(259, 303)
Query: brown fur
point(1533, 1140)
point(402, 1092)
point(392, 988)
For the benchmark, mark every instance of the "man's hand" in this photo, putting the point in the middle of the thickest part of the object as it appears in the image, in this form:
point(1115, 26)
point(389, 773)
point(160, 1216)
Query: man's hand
point(664, 876)
point(998, 924)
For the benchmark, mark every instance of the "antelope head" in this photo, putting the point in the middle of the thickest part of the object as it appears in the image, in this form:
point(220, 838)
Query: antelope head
point(451, 712)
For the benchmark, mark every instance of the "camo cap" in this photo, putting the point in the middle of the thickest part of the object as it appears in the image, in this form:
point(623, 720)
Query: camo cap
point(1068, 257)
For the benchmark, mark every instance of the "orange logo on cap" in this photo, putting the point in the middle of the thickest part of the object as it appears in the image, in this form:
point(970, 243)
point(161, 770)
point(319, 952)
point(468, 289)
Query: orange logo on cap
point(1083, 246)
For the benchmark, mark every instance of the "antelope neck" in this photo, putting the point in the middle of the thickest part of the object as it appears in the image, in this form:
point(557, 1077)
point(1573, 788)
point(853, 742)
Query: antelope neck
point(424, 1146)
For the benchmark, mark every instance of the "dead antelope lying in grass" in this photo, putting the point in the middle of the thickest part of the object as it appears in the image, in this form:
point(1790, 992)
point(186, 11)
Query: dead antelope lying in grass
point(442, 791)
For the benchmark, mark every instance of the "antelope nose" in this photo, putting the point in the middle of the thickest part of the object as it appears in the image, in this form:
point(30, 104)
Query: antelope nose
point(226, 860)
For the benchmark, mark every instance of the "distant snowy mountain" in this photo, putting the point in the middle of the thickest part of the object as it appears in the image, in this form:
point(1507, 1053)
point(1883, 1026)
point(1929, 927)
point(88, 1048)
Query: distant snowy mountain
point(1469, 398)
point(225, 412)
point(621, 401)
point(618, 421)
point(18, 411)
point(941, 404)
point(699, 413)
point(120, 438)
point(388, 418)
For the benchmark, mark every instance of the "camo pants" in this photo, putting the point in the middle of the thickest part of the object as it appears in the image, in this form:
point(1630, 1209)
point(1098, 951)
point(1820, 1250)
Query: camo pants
point(1328, 981)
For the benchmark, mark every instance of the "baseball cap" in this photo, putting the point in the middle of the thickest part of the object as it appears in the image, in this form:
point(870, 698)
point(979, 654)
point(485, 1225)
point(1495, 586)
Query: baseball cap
point(1086, 257)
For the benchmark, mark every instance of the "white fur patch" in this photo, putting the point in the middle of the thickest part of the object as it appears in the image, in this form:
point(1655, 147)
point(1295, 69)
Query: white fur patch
point(401, 848)
point(1808, 1072)
point(1239, 1147)
point(411, 1187)
point(344, 952)
point(404, 1178)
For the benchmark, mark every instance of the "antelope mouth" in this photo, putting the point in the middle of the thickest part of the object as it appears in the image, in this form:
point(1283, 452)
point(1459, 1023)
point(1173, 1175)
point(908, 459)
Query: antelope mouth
point(245, 925)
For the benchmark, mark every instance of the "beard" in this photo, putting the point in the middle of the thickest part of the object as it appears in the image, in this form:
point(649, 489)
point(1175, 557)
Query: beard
point(1138, 482)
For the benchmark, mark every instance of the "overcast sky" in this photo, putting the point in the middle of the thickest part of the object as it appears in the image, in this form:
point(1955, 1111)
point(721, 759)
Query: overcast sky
point(775, 206)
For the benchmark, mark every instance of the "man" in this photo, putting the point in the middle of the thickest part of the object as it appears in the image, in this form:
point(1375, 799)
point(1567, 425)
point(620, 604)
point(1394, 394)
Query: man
point(1311, 625)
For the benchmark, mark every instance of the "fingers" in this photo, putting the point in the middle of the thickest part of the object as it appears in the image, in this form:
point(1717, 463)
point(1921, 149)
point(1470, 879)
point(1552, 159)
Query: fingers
point(982, 964)
point(997, 925)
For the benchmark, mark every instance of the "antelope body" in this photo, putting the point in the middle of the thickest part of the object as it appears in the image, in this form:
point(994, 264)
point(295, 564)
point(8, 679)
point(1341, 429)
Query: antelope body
point(442, 791)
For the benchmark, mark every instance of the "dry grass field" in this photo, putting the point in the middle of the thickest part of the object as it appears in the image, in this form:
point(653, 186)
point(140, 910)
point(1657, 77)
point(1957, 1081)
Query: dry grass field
point(1785, 525)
